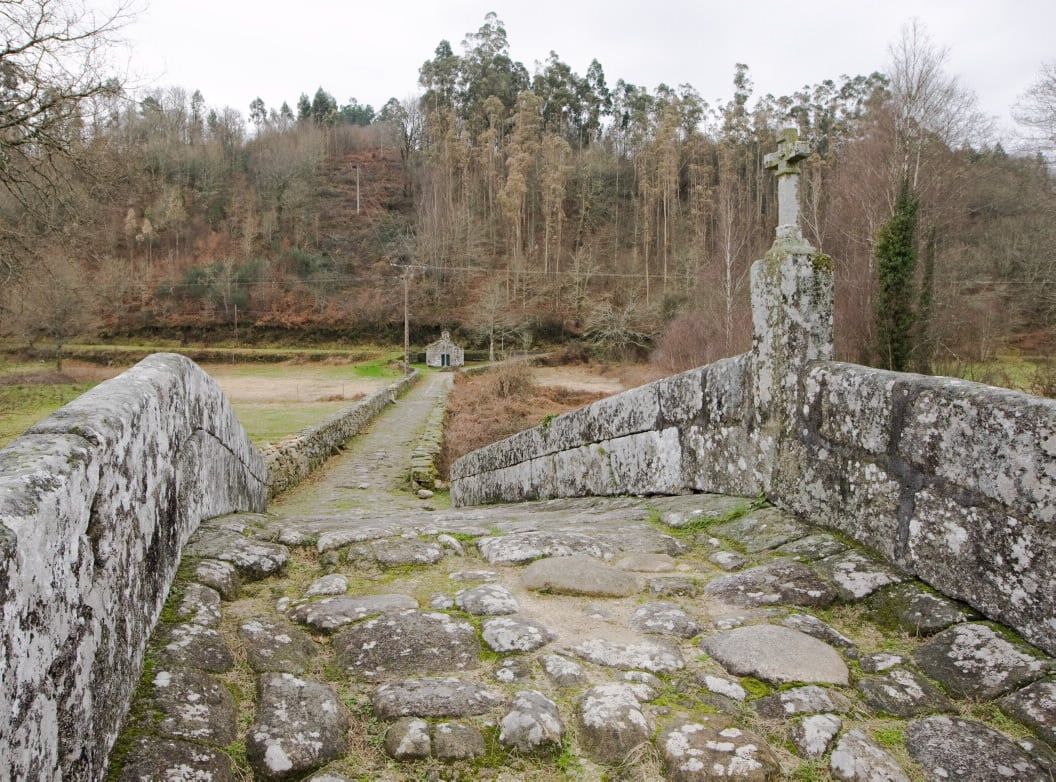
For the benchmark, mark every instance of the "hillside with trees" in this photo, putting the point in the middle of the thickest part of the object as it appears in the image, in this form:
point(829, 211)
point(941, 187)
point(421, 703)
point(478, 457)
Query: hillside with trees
point(528, 207)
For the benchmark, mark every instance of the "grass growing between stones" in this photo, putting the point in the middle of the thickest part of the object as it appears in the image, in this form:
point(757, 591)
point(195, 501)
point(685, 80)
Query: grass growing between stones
point(140, 720)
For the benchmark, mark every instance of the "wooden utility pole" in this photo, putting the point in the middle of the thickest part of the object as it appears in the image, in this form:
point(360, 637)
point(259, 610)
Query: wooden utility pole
point(406, 324)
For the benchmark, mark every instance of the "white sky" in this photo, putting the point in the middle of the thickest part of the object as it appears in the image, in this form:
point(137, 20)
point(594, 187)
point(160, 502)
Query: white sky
point(235, 50)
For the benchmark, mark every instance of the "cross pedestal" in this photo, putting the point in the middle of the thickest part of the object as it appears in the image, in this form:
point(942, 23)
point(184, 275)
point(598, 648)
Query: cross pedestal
point(792, 305)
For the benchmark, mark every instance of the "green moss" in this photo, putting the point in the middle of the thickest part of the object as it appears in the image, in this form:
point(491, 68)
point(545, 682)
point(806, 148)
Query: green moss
point(141, 720)
point(704, 523)
point(756, 688)
point(495, 755)
point(822, 262)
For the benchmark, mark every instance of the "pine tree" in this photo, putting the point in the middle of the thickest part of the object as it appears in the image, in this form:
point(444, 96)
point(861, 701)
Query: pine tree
point(896, 257)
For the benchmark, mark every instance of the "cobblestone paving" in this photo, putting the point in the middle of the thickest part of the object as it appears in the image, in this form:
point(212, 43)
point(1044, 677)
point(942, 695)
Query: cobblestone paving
point(358, 631)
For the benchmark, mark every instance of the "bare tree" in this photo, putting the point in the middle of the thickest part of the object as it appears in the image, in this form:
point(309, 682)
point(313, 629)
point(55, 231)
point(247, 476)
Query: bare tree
point(1036, 109)
point(53, 68)
point(52, 65)
point(56, 304)
point(930, 104)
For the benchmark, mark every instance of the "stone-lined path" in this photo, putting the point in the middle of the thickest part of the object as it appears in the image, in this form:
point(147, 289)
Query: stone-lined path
point(360, 632)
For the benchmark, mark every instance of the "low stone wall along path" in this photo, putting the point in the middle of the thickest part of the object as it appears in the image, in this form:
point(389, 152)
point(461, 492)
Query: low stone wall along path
point(360, 632)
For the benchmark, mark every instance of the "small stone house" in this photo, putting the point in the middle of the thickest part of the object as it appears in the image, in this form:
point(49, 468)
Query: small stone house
point(444, 353)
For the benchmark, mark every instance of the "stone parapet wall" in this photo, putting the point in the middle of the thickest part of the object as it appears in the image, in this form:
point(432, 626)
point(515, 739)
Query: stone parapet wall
point(96, 503)
point(292, 459)
point(954, 482)
point(655, 439)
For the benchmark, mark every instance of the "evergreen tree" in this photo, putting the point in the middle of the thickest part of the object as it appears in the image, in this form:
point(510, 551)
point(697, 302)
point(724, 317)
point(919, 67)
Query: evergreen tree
point(896, 261)
point(304, 108)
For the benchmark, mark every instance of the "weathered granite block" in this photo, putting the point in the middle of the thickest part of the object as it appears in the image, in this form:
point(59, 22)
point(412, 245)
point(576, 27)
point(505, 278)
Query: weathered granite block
point(854, 403)
point(681, 397)
point(96, 503)
point(1000, 564)
point(998, 443)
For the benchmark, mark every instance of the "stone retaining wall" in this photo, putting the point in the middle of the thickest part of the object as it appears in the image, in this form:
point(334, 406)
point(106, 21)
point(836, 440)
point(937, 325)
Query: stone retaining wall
point(427, 448)
point(96, 503)
point(954, 482)
point(292, 459)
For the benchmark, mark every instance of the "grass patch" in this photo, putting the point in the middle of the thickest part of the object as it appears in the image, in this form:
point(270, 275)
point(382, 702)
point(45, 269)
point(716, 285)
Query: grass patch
point(379, 368)
point(892, 737)
point(269, 422)
point(810, 771)
point(704, 522)
point(21, 406)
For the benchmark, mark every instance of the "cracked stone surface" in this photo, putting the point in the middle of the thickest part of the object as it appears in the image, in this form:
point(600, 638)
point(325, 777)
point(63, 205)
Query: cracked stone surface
point(699, 752)
point(487, 600)
point(903, 694)
point(193, 705)
point(856, 575)
point(920, 611)
point(612, 722)
point(812, 547)
point(533, 723)
point(951, 748)
point(221, 576)
point(253, 559)
point(664, 619)
point(857, 758)
point(762, 529)
point(422, 621)
point(300, 726)
point(331, 613)
point(448, 697)
point(1034, 706)
point(779, 582)
point(407, 642)
point(973, 660)
point(275, 645)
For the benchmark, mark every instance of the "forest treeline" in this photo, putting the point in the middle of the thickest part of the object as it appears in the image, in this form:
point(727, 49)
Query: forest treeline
point(531, 207)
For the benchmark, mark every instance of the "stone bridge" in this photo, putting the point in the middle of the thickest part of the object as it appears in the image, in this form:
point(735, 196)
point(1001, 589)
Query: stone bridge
point(773, 567)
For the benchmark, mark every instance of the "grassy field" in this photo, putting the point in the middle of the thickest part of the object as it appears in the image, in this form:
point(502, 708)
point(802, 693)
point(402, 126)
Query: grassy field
point(271, 399)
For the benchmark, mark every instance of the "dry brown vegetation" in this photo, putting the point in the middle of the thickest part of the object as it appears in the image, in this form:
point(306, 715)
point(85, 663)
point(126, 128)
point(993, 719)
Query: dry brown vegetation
point(488, 407)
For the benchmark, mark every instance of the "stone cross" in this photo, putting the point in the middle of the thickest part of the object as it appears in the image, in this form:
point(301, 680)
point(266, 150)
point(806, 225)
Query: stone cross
point(785, 162)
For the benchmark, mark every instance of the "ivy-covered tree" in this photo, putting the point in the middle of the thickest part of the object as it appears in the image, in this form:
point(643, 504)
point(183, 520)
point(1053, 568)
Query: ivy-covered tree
point(896, 263)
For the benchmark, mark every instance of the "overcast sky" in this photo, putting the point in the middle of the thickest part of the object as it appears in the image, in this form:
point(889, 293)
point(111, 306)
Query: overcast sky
point(235, 50)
